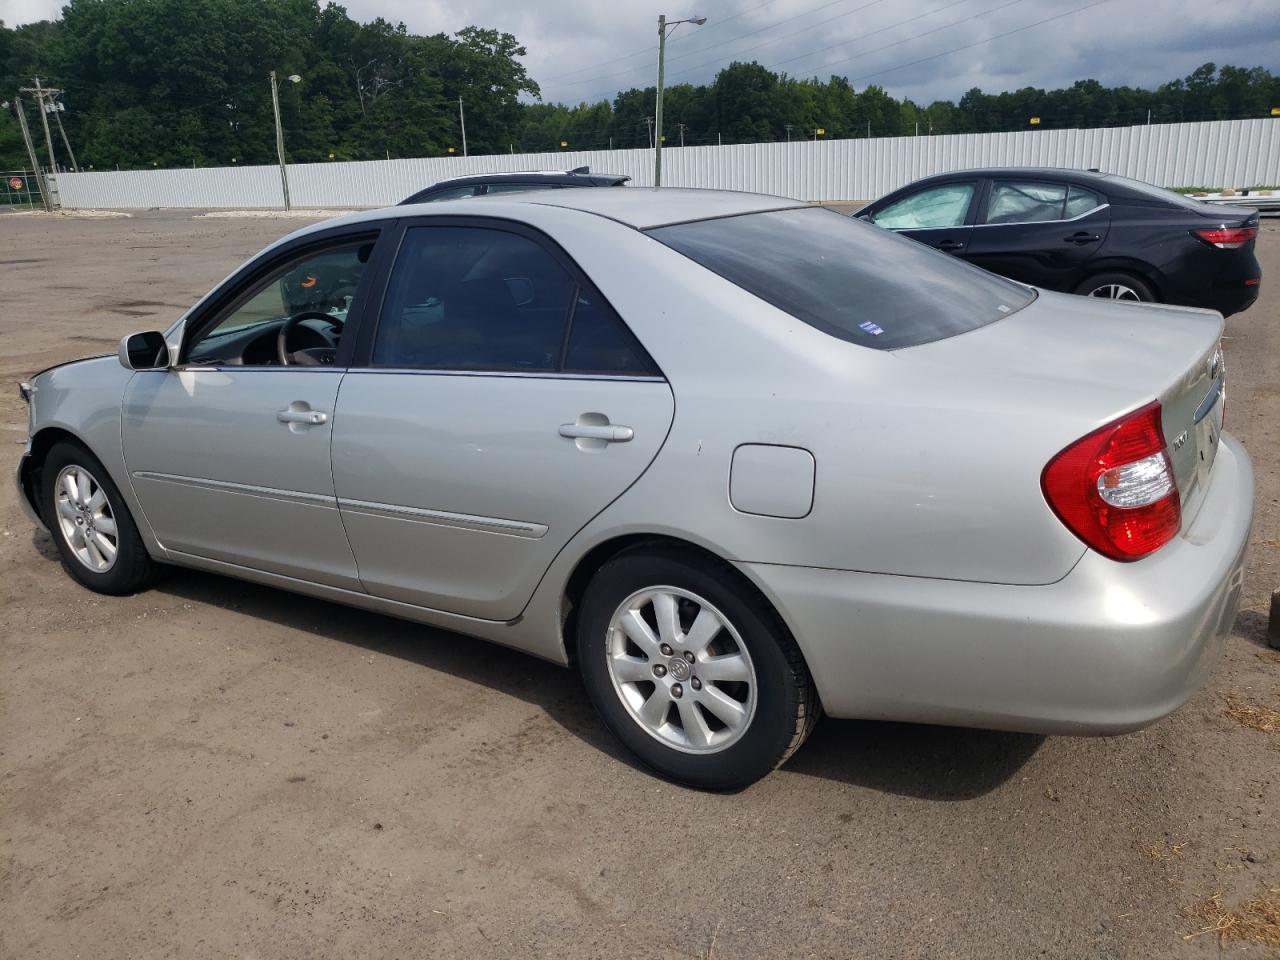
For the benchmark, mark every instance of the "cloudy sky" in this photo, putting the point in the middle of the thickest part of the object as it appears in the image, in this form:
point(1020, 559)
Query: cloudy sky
point(924, 49)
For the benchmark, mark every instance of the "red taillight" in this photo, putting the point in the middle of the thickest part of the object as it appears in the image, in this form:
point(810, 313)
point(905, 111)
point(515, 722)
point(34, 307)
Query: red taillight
point(1227, 238)
point(1115, 490)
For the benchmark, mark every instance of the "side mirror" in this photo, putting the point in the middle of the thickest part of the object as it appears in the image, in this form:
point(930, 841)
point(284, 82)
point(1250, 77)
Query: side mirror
point(144, 351)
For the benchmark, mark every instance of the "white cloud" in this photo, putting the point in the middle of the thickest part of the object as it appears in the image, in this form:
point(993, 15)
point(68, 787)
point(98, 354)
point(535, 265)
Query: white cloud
point(585, 49)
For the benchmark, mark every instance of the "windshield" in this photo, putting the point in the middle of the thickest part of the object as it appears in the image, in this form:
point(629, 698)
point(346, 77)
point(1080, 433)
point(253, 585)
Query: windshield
point(847, 278)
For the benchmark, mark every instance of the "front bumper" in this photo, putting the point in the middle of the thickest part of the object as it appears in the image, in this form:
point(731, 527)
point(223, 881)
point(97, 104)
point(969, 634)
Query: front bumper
point(22, 476)
point(1110, 648)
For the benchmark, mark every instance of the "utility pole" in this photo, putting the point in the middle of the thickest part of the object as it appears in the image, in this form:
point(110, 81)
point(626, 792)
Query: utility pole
point(462, 122)
point(41, 93)
point(31, 152)
point(788, 126)
point(682, 128)
point(284, 174)
point(57, 116)
point(657, 110)
point(649, 123)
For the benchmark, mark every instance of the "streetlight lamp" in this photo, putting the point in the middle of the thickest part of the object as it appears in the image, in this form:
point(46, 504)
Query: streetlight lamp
point(663, 31)
point(275, 105)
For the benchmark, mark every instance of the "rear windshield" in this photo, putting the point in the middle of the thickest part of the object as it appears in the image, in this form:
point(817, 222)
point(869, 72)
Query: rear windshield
point(847, 278)
point(1160, 193)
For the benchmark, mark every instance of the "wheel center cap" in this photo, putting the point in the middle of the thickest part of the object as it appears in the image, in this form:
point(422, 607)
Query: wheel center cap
point(678, 667)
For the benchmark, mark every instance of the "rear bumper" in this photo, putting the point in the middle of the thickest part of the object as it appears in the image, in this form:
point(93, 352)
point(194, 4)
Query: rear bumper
point(1110, 648)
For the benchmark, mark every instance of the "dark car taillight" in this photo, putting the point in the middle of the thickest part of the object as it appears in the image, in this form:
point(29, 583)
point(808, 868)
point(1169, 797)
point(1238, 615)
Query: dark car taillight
point(1115, 489)
point(1227, 238)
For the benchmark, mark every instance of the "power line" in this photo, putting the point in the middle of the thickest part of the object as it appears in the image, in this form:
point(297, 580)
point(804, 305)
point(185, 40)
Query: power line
point(863, 36)
point(735, 39)
point(978, 43)
point(715, 24)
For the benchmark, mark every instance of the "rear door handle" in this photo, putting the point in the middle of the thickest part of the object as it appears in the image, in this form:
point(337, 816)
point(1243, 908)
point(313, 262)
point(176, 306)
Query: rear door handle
point(312, 418)
point(1082, 237)
point(609, 432)
point(951, 246)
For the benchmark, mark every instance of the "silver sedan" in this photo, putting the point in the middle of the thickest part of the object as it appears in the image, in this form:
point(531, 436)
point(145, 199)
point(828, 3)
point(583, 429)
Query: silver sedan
point(742, 460)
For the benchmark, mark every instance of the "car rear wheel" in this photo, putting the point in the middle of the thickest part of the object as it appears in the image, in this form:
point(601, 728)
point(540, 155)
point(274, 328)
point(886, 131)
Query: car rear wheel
point(1117, 286)
point(91, 526)
point(691, 670)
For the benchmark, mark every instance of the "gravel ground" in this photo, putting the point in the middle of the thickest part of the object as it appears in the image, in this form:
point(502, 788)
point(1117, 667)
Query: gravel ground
point(214, 769)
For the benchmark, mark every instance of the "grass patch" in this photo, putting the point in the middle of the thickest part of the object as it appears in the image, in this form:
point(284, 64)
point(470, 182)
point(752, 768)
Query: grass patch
point(1258, 921)
point(1252, 715)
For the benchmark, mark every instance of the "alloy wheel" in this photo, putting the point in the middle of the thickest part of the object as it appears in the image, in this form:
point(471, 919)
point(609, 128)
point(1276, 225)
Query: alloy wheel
point(85, 519)
point(681, 670)
point(1115, 291)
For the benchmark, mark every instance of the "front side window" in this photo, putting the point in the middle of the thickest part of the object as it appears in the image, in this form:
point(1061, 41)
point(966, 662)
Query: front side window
point(311, 294)
point(848, 279)
point(1013, 202)
point(941, 206)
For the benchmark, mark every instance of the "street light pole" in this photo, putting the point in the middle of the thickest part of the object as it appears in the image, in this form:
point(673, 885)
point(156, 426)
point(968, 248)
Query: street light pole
point(462, 122)
point(657, 110)
point(284, 173)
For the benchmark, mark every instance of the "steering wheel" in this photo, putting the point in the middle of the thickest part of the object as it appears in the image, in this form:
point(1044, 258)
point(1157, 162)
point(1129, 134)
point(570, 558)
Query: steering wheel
point(317, 356)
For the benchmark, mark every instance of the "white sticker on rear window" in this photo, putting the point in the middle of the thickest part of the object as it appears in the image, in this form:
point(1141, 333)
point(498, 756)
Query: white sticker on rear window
point(870, 328)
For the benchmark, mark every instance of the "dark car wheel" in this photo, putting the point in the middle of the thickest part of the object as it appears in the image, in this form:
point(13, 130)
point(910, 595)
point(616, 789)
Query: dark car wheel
point(691, 670)
point(91, 526)
point(1117, 286)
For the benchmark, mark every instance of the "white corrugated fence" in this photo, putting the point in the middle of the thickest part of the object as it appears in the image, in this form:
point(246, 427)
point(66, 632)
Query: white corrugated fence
point(1227, 153)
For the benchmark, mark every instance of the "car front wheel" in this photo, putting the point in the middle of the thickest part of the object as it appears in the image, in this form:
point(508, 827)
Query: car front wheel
point(691, 670)
point(91, 526)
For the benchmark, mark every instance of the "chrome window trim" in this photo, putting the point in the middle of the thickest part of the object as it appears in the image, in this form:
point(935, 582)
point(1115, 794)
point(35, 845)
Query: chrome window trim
point(238, 367)
point(517, 374)
point(1031, 223)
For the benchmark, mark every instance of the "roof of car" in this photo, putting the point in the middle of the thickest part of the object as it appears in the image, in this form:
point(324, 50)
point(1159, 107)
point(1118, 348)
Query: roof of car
point(639, 207)
point(567, 176)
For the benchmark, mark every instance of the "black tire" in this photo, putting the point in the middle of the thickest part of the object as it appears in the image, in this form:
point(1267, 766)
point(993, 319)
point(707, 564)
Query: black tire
point(1101, 281)
point(786, 703)
point(132, 568)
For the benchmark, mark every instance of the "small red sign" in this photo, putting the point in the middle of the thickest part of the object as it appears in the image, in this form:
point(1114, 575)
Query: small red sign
point(16, 183)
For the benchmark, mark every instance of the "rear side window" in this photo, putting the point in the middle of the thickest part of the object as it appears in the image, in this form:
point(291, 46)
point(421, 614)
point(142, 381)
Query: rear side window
point(484, 299)
point(471, 298)
point(451, 193)
point(1016, 202)
point(1080, 201)
point(848, 279)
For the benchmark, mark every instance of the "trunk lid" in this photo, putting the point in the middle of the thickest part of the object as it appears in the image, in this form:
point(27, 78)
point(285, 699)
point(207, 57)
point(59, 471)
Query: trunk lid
point(1076, 363)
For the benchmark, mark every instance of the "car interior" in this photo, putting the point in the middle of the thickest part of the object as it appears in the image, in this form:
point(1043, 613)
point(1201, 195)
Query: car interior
point(295, 316)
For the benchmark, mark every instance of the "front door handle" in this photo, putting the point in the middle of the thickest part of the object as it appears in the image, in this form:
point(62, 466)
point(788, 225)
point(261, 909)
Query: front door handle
point(1082, 237)
point(951, 246)
point(311, 418)
point(608, 432)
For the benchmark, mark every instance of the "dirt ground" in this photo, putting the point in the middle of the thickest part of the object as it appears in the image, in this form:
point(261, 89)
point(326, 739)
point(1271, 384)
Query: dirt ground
point(214, 769)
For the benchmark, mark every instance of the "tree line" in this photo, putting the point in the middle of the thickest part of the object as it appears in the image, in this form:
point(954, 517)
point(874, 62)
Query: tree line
point(184, 82)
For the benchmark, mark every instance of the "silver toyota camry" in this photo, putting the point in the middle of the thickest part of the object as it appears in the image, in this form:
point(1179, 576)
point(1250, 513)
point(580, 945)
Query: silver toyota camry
point(741, 460)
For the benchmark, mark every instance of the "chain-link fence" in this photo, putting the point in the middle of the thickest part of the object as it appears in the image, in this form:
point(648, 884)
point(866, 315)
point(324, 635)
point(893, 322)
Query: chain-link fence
point(21, 188)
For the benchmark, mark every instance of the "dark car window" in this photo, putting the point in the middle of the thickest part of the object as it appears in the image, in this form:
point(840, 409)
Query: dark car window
point(517, 187)
point(942, 206)
point(450, 193)
point(473, 298)
point(1015, 201)
point(599, 342)
point(846, 278)
point(1080, 201)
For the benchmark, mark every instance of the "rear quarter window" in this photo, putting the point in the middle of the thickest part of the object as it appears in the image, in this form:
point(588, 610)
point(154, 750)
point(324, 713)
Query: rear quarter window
point(847, 278)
